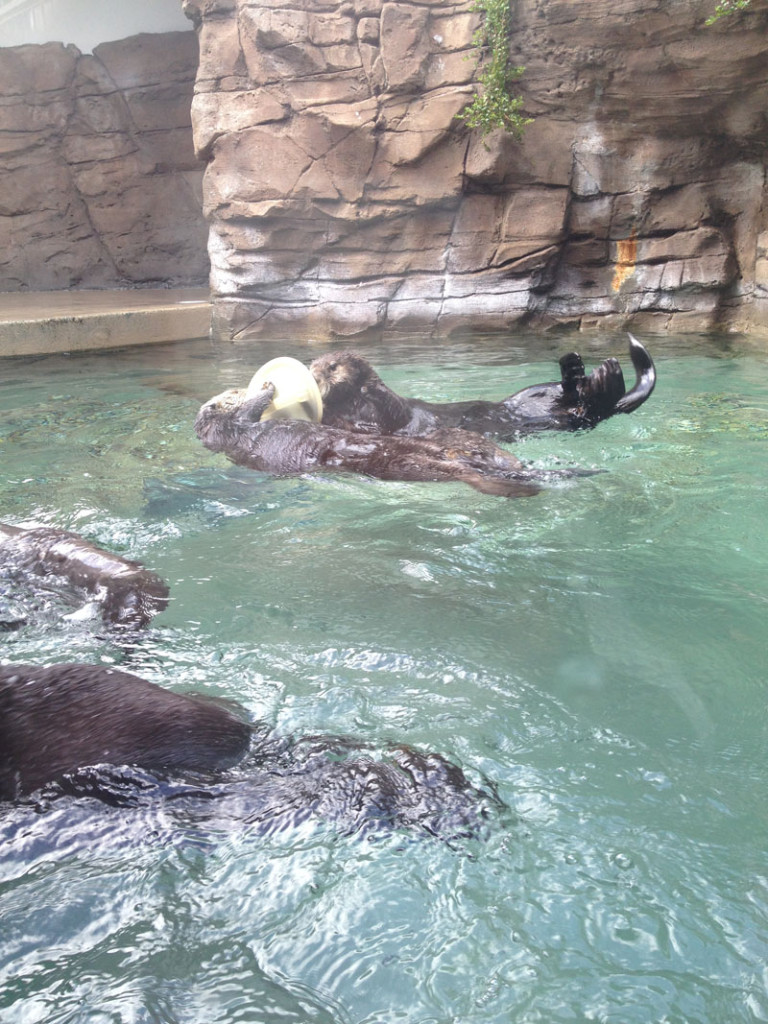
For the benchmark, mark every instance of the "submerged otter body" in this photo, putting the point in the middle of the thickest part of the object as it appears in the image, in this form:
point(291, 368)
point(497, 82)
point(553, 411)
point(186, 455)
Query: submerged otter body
point(231, 424)
point(355, 398)
point(128, 594)
point(93, 731)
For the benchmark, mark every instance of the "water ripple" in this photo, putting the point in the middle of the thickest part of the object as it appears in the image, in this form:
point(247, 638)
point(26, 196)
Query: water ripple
point(596, 652)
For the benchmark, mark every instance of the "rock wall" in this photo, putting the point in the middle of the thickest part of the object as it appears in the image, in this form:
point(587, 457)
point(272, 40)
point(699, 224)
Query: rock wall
point(344, 196)
point(100, 184)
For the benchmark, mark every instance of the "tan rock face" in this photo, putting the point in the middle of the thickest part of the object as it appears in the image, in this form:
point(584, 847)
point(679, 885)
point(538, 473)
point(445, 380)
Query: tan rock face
point(344, 195)
point(101, 186)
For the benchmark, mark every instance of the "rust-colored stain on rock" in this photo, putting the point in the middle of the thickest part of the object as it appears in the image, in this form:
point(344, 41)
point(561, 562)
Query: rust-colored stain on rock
point(626, 258)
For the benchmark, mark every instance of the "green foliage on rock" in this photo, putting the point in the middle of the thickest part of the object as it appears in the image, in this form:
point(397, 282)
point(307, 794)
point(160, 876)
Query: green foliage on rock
point(495, 106)
point(727, 7)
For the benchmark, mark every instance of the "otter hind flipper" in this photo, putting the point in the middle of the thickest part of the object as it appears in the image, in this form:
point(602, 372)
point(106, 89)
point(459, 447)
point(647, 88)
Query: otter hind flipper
point(645, 378)
point(603, 389)
point(603, 393)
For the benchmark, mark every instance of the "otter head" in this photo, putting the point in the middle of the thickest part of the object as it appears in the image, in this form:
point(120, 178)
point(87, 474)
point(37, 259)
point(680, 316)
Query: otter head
point(340, 375)
point(228, 401)
point(215, 420)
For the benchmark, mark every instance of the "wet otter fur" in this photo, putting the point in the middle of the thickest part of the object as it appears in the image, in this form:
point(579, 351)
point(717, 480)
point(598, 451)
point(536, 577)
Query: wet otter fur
point(231, 424)
point(92, 731)
point(58, 719)
point(355, 398)
point(128, 594)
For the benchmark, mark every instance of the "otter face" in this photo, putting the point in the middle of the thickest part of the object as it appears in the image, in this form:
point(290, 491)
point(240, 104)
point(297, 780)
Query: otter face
point(341, 373)
point(228, 401)
point(220, 408)
point(215, 421)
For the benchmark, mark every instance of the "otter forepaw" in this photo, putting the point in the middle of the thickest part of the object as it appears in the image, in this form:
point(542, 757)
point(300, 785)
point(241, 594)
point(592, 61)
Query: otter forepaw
point(252, 408)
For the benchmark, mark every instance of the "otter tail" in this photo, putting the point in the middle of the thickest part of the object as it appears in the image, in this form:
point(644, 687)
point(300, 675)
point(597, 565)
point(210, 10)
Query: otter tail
point(532, 476)
point(645, 378)
point(524, 483)
point(502, 486)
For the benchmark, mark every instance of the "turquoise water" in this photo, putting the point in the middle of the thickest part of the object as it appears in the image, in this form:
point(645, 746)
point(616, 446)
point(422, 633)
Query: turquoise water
point(598, 652)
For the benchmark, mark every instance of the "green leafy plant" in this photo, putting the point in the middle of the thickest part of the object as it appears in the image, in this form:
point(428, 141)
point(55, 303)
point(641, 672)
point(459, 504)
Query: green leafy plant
point(495, 106)
point(727, 7)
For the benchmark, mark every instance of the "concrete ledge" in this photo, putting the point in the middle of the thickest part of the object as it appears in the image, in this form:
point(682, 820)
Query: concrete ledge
point(35, 323)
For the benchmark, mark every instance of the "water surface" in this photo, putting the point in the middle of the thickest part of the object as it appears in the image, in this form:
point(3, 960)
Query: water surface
point(597, 652)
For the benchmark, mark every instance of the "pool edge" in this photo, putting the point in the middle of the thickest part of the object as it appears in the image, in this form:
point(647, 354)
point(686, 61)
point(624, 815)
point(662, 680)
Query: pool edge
point(43, 323)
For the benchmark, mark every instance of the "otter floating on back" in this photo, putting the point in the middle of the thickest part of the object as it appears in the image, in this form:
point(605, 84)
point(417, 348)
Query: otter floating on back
point(356, 398)
point(231, 423)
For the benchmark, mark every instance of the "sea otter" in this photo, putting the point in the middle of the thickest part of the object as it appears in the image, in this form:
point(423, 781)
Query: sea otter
point(93, 731)
point(128, 594)
point(356, 398)
point(230, 423)
point(58, 719)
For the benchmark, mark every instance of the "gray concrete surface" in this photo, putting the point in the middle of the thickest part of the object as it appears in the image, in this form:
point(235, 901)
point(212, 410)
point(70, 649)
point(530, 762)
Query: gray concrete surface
point(33, 323)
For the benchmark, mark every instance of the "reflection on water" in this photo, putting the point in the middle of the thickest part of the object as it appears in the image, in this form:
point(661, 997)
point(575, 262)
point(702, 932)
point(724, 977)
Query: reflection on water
point(598, 651)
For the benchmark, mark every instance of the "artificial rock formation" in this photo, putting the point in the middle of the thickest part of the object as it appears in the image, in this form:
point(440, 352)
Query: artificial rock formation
point(344, 196)
point(101, 187)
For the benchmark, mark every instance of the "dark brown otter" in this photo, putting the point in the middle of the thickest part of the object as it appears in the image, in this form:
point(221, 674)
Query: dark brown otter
point(230, 424)
point(93, 731)
point(128, 594)
point(61, 718)
point(356, 398)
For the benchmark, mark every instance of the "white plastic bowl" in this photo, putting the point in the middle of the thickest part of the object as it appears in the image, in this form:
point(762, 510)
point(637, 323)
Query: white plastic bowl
point(297, 396)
